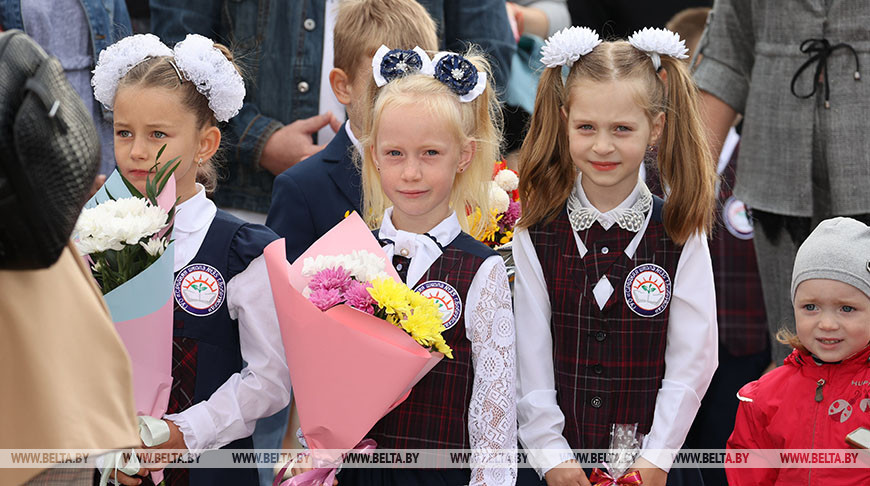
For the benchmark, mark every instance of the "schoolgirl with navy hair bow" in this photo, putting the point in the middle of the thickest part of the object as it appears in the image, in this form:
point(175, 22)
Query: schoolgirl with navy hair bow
point(428, 152)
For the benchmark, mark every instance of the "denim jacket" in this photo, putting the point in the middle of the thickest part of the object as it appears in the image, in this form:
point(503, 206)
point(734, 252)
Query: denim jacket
point(109, 20)
point(280, 43)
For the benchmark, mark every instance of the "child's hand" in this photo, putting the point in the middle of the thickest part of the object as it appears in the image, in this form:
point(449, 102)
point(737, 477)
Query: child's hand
point(649, 473)
point(569, 473)
point(175, 441)
point(122, 478)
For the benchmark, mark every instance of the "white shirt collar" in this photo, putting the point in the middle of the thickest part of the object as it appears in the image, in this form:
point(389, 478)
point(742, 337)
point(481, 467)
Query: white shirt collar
point(195, 213)
point(352, 137)
point(405, 242)
point(422, 249)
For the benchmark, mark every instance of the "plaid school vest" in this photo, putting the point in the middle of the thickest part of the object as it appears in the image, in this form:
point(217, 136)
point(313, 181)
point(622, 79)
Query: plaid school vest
point(435, 415)
point(608, 363)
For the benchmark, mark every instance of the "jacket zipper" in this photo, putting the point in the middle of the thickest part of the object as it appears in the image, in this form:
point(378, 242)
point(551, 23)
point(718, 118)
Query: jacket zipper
point(819, 385)
point(819, 397)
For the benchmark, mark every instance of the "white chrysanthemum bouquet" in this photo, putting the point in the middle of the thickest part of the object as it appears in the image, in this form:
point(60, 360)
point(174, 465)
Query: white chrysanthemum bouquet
point(122, 237)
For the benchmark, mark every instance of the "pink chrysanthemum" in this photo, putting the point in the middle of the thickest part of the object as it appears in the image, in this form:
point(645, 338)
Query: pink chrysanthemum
point(325, 298)
point(330, 278)
point(511, 215)
point(359, 298)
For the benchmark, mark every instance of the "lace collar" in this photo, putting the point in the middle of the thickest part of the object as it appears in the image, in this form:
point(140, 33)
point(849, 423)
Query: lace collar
point(628, 216)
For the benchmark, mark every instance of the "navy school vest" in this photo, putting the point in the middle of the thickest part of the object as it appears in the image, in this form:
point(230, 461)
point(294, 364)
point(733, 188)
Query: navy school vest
point(608, 363)
point(205, 334)
point(435, 415)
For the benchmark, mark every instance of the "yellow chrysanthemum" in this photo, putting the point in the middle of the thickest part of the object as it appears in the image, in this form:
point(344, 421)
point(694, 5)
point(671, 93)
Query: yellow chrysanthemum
point(391, 295)
point(413, 312)
point(485, 232)
point(508, 236)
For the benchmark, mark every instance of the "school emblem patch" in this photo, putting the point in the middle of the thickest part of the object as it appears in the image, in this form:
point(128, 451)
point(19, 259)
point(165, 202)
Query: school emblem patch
point(647, 290)
point(447, 299)
point(736, 218)
point(200, 289)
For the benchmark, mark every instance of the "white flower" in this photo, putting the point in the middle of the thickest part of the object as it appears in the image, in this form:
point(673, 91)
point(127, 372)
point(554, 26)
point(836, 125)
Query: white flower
point(566, 46)
point(507, 180)
point(362, 265)
point(498, 198)
point(659, 42)
point(155, 246)
point(113, 224)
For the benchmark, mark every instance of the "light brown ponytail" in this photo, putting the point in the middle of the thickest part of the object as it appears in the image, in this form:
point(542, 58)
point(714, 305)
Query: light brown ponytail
point(685, 162)
point(546, 171)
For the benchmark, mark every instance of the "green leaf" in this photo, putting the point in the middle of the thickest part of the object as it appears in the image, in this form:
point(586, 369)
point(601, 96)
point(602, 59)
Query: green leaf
point(154, 185)
point(162, 176)
point(159, 153)
point(130, 187)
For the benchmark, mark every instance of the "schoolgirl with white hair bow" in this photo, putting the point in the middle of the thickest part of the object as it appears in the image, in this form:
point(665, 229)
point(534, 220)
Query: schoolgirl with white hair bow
point(614, 299)
point(228, 361)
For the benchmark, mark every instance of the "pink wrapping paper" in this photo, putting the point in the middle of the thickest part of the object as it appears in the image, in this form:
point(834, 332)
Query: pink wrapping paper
point(348, 368)
point(145, 339)
point(142, 310)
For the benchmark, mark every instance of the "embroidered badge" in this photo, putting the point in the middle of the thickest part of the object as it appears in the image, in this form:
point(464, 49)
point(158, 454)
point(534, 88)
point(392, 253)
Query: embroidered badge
point(200, 289)
point(647, 290)
point(736, 218)
point(447, 299)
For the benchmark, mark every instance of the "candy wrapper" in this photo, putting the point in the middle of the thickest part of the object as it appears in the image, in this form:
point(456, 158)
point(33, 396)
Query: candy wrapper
point(625, 445)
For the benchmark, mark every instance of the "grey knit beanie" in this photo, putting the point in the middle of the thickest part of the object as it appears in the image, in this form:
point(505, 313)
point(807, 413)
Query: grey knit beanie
point(838, 249)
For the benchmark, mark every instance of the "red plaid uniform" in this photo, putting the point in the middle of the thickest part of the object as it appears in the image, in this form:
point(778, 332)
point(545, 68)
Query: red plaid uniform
point(184, 351)
point(435, 415)
point(608, 363)
point(739, 299)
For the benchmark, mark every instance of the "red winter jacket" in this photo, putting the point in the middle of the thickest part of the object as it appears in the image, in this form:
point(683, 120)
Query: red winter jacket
point(781, 411)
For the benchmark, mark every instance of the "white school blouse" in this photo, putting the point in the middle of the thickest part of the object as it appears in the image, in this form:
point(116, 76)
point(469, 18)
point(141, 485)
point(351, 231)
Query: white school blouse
point(262, 387)
point(492, 408)
point(691, 356)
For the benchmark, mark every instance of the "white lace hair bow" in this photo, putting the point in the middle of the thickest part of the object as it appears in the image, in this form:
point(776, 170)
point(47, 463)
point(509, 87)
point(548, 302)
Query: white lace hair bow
point(659, 42)
point(568, 45)
point(118, 59)
point(455, 71)
point(213, 75)
point(196, 58)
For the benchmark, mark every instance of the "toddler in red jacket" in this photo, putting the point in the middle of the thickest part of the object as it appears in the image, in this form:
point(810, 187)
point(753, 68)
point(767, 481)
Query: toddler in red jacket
point(822, 393)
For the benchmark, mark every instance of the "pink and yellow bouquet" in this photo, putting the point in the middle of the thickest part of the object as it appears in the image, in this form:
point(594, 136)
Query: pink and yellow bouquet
point(356, 339)
point(359, 280)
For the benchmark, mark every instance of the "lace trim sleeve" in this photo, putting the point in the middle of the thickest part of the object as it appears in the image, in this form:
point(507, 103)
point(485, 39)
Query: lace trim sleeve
point(492, 410)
